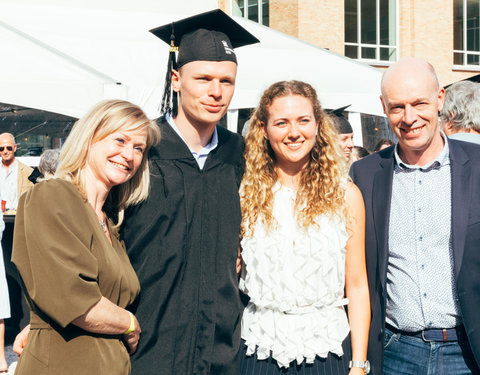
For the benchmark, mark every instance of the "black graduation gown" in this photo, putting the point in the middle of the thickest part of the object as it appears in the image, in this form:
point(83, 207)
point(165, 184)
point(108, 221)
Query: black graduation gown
point(183, 243)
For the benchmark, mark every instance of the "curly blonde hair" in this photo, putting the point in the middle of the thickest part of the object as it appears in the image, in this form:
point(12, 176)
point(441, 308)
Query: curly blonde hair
point(321, 189)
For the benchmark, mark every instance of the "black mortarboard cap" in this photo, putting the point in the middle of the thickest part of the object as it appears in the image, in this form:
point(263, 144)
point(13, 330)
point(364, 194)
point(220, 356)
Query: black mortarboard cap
point(209, 36)
point(341, 123)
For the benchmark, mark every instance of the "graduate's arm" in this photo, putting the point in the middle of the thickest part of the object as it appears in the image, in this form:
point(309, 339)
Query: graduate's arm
point(21, 340)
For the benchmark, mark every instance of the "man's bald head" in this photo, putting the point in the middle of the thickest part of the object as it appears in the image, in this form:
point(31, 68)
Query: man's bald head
point(407, 67)
point(7, 148)
point(7, 136)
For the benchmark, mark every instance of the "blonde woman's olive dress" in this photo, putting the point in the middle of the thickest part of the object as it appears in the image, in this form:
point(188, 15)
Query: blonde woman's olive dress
point(67, 264)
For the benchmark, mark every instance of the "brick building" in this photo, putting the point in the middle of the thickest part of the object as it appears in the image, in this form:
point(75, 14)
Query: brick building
point(446, 33)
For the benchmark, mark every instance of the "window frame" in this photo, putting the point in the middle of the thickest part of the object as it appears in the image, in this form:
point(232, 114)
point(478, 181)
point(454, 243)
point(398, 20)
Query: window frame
point(259, 10)
point(465, 52)
point(377, 46)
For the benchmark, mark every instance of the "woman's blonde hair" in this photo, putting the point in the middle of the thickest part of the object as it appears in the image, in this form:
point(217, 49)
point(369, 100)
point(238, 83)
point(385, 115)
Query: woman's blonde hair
point(321, 189)
point(105, 118)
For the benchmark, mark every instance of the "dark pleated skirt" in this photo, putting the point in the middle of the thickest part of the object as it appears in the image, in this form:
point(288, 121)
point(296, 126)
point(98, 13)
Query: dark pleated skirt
point(332, 365)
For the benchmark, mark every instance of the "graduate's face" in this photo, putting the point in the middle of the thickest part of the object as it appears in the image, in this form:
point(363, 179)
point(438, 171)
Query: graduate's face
point(291, 130)
point(115, 159)
point(206, 89)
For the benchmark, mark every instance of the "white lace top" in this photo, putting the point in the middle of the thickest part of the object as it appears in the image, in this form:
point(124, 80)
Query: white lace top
point(295, 279)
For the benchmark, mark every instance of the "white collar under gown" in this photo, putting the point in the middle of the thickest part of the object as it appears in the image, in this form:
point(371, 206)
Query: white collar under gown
point(295, 279)
point(4, 298)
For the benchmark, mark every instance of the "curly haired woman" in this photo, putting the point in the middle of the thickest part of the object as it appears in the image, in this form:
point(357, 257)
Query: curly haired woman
point(303, 243)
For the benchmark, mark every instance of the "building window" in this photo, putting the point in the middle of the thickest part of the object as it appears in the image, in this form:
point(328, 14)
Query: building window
point(371, 30)
point(466, 32)
point(254, 10)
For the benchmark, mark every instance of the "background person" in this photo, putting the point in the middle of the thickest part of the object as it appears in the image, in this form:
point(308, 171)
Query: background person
point(13, 174)
point(303, 243)
point(359, 152)
point(76, 274)
point(47, 166)
point(48, 163)
point(344, 131)
point(460, 115)
point(422, 234)
point(382, 144)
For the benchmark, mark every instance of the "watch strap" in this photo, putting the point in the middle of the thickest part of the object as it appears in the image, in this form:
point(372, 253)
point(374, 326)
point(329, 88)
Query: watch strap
point(365, 365)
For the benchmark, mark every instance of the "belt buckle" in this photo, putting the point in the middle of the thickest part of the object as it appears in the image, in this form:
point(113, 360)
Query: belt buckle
point(444, 336)
point(423, 337)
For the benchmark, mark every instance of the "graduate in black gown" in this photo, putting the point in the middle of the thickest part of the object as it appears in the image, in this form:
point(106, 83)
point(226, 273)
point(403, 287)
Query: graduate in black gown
point(183, 240)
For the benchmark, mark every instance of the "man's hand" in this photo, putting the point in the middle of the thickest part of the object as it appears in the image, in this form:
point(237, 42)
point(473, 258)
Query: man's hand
point(21, 341)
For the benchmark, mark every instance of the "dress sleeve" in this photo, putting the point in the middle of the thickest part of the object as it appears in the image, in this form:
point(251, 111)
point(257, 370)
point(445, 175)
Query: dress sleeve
point(51, 249)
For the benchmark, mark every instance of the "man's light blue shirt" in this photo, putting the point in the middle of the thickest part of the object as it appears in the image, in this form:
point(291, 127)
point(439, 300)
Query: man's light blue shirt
point(9, 185)
point(420, 282)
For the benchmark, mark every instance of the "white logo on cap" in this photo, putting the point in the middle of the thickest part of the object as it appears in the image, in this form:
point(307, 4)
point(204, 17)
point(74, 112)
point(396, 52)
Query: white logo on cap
point(228, 50)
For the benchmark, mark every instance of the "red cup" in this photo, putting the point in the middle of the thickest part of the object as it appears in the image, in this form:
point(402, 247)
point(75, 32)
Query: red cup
point(4, 203)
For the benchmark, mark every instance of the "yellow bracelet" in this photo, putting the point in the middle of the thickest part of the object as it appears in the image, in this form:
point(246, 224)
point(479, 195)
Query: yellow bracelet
point(132, 324)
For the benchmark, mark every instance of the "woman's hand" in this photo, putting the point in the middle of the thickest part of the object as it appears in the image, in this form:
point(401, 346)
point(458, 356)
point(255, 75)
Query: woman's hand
point(21, 341)
point(356, 371)
point(239, 262)
point(131, 339)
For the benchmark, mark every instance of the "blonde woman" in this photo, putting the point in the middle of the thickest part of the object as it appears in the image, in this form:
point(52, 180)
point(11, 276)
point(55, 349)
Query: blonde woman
point(303, 243)
point(75, 272)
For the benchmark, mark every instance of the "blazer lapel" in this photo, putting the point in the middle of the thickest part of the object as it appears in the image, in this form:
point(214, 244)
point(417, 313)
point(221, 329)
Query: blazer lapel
point(382, 195)
point(460, 182)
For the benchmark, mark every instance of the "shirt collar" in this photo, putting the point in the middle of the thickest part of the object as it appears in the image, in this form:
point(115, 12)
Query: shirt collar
point(12, 166)
point(441, 160)
point(210, 146)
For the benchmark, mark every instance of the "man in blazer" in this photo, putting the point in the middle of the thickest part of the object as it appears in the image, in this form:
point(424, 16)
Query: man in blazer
point(422, 234)
point(13, 174)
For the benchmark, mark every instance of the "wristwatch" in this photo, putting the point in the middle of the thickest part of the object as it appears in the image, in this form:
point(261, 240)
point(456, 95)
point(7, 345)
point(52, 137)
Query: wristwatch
point(363, 365)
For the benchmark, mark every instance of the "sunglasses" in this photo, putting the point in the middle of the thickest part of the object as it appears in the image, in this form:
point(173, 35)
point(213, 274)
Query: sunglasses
point(9, 148)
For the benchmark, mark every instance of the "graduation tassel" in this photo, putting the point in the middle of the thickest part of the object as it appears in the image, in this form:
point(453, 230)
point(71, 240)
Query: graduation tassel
point(166, 105)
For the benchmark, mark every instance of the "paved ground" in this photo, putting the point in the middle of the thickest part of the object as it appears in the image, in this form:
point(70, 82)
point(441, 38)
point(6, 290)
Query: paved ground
point(11, 358)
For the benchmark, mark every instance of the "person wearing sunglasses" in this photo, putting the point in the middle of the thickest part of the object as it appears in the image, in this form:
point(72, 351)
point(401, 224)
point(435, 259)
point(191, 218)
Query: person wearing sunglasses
point(13, 174)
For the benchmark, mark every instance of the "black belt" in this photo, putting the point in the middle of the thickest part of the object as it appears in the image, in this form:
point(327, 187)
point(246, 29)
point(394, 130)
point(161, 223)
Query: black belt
point(438, 334)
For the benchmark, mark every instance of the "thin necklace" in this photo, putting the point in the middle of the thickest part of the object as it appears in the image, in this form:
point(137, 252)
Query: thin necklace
point(103, 225)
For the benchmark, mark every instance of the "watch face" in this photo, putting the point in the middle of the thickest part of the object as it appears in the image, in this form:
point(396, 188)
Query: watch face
point(367, 367)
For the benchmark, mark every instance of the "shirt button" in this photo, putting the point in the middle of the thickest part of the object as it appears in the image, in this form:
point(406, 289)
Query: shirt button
point(419, 182)
point(425, 295)
point(419, 210)
point(422, 266)
point(420, 238)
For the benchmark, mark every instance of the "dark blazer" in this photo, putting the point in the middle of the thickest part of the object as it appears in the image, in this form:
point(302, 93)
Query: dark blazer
point(373, 175)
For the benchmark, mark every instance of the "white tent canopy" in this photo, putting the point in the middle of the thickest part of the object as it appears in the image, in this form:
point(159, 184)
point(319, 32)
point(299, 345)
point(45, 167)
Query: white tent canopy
point(63, 59)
